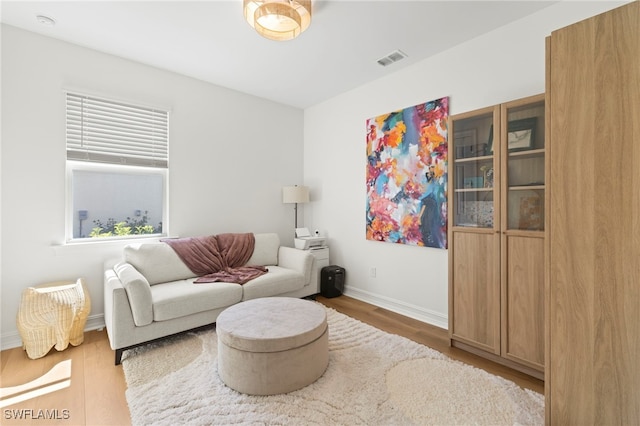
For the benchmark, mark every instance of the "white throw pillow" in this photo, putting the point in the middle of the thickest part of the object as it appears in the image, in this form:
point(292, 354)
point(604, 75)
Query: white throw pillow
point(265, 252)
point(158, 262)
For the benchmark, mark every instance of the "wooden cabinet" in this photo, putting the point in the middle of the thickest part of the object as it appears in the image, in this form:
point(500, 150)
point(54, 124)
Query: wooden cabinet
point(522, 231)
point(474, 238)
point(496, 250)
point(593, 234)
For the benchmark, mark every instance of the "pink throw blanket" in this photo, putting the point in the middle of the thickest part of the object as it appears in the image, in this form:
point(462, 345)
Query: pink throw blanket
point(218, 257)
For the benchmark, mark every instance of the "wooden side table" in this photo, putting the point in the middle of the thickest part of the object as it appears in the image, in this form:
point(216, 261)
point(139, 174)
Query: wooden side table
point(53, 314)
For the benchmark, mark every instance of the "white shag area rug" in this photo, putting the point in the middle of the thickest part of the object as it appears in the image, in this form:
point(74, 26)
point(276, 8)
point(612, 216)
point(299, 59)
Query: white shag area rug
point(373, 378)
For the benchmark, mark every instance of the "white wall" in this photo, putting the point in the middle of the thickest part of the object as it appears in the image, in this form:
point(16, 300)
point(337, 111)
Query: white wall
point(506, 64)
point(230, 155)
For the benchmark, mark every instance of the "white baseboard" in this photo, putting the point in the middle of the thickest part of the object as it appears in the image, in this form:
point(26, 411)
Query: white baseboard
point(10, 340)
point(13, 339)
point(399, 307)
point(94, 322)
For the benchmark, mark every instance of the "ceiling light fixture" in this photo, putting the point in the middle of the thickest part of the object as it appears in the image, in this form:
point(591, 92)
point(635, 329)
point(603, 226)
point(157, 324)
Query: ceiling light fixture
point(278, 19)
point(45, 20)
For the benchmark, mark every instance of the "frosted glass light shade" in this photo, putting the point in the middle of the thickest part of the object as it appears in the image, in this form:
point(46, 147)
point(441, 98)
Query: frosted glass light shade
point(295, 194)
point(278, 19)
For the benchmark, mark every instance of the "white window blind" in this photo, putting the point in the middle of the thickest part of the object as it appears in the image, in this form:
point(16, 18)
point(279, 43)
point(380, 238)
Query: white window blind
point(105, 131)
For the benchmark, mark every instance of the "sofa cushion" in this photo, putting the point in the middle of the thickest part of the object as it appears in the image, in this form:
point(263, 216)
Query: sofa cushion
point(181, 298)
point(158, 262)
point(265, 251)
point(138, 292)
point(277, 281)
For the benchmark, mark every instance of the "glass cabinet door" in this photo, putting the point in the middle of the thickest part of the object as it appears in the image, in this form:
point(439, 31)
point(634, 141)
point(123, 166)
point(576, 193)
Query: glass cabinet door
point(524, 150)
point(473, 170)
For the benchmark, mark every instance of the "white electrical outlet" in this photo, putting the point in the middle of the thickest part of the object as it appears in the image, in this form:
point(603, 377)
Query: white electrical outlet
point(372, 272)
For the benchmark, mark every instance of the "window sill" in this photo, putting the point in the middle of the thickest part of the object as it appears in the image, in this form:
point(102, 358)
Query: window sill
point(84, 247)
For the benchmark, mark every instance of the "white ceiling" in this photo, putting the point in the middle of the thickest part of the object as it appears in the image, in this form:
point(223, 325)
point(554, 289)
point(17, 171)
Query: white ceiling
point(210, 40)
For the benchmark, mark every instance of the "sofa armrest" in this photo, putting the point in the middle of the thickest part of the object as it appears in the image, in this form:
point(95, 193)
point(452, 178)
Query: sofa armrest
point(138, 292)
point(117, 311)
point(298, 260)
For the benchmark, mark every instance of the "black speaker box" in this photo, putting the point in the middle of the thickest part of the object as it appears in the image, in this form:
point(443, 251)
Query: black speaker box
point(332, 281)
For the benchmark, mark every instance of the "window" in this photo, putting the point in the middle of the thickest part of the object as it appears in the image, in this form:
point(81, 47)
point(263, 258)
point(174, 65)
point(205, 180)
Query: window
point(117, 166)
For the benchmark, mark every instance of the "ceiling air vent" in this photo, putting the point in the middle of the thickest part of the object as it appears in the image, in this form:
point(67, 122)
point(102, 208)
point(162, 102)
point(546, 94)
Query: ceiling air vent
point(392, 57)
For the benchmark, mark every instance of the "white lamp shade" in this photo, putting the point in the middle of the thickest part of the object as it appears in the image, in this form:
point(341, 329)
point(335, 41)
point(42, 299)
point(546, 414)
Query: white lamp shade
point(295, 194)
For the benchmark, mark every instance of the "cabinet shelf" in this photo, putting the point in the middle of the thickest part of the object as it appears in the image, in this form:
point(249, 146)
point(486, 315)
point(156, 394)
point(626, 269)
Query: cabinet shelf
point(484, 158)
point(526, 187)
point(474, 190)
point(527, 153)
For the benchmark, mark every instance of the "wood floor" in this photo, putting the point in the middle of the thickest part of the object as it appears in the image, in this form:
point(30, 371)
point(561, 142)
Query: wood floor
point(94, 392)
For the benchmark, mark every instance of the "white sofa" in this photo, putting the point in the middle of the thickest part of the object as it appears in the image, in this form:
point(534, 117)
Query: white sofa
point(150, 293)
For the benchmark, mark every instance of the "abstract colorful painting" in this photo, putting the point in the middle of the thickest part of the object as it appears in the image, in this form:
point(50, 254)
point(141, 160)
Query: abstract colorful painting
point(407, 175)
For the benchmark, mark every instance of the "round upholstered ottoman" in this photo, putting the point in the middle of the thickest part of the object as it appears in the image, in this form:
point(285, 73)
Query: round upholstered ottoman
point(272, 345)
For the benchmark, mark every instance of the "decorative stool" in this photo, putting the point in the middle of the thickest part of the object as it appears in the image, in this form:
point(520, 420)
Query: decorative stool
point(272, 345)
point(53, 314)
